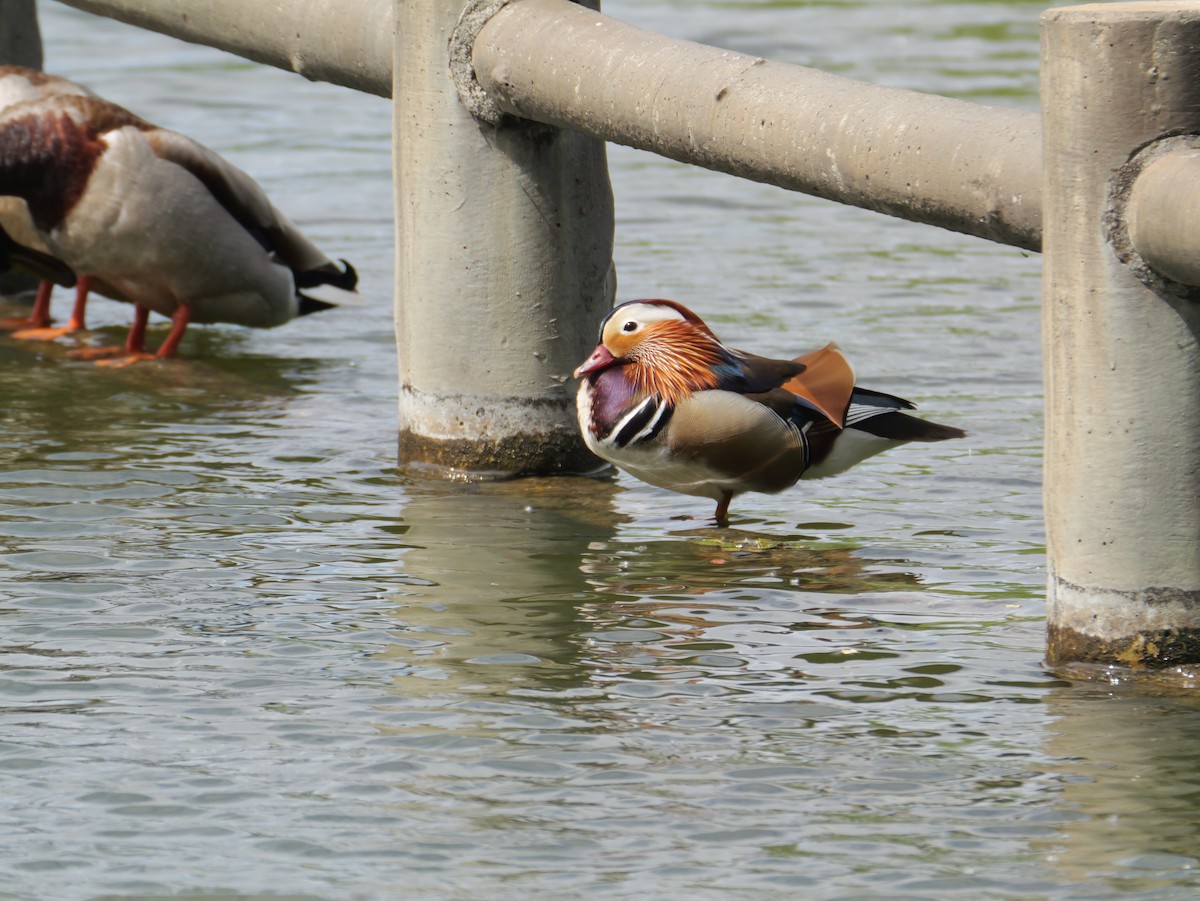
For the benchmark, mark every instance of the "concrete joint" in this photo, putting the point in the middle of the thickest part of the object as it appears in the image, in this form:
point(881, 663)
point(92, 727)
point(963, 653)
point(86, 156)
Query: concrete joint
point(474, 16)
point(1119, 210)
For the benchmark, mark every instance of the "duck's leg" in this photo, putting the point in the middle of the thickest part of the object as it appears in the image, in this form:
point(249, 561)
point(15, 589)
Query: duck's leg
point(722, 514)
point(77, 322)
point(135, 347)
point(179, 324)
point(39, 316)
point(135, 343)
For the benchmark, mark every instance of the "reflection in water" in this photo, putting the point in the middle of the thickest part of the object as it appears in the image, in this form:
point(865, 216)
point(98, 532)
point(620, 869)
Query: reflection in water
point(1129, 775)
point(517, 576)
point(498, 566)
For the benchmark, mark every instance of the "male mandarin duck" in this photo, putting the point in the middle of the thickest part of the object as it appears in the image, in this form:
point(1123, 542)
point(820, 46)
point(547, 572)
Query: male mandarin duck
point(156, 219)
point(665, 400)
point(18, 85)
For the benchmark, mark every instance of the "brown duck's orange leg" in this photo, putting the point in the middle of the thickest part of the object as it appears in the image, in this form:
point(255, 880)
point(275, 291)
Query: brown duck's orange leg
point(722, 514)
point(135, 347)
point(179, 324)
point(39, 316)
point(77, 322)
point(135, 343)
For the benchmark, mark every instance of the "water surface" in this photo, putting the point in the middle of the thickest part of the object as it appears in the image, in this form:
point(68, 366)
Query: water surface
point(243, 657)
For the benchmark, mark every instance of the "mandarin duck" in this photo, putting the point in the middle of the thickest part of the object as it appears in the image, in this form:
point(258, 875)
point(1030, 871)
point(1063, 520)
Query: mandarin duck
point(156, 219)
point(18, 85)
point(663, 399)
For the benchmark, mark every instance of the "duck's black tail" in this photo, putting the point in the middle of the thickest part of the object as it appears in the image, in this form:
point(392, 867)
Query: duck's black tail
point(33, 262)
point(879, 414)
point(897, 426)
point(345, 278)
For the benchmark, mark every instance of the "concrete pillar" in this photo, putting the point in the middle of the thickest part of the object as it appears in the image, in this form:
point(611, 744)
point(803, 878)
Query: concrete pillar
point(20, 38)
point(503, 269)
point(1122, 345)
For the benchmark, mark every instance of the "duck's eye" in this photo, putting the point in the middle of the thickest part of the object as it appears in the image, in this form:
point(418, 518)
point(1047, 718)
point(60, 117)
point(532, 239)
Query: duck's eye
point(629, 326)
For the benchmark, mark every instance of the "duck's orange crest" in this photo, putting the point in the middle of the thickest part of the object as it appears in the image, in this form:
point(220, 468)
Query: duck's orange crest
point(673, 359)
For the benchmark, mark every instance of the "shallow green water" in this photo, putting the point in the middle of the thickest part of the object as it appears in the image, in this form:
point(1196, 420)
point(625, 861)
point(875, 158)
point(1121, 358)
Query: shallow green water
point(243, 657)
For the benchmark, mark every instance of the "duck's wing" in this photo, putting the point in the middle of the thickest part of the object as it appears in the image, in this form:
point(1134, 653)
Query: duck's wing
point(826, 384)
point(746, 373)
point(249, 205)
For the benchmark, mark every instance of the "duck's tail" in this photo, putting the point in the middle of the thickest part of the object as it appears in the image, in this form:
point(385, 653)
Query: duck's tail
point(345, 278)
point(33, 262)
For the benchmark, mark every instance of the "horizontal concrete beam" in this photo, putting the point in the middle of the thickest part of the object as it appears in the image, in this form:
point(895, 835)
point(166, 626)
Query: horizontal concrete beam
point(345, 42)
point(963, 166)
point(1161, 213)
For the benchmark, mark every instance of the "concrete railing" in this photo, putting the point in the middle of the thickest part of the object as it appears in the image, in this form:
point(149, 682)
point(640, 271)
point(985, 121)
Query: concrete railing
point(505, 246)
point(346, 42)
point(963, 166)
point(959, 165)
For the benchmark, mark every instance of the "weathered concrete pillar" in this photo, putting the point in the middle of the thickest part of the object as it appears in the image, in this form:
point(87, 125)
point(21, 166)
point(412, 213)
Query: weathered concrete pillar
point(503, 267)
point(20, 38)
point(1122, 345)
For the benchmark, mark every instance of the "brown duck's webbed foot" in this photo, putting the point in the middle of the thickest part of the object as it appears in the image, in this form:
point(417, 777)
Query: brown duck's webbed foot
point(135, 348)
point(135, 345)
point(124, 359)
point(39, 316)
point(43, 334)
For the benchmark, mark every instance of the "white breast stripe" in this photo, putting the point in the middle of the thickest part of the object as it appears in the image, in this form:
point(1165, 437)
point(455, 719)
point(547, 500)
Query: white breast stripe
point(641, 410)
point(652, 426)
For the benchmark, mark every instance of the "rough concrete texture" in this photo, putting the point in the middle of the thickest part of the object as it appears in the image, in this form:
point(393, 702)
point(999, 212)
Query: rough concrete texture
point(1122, 357)
point(959, 165)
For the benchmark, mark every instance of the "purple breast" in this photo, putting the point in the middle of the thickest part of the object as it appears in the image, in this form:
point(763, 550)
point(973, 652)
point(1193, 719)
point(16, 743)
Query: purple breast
point(613, 393)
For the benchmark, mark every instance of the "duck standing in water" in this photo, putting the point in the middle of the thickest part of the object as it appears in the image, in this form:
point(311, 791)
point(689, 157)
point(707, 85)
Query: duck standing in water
point(156, 219)
point(19, 85)
point(665, 400)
